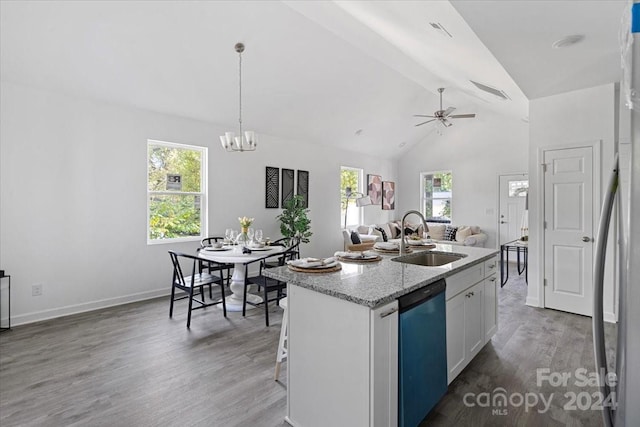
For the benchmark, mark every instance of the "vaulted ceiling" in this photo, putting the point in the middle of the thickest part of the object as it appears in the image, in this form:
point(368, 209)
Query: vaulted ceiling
point(312, 71)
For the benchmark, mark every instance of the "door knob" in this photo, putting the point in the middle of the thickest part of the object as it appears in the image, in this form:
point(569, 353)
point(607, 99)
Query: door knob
point(586, 239)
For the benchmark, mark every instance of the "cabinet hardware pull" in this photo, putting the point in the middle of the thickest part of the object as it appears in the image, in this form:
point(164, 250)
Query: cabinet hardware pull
point(493, 279)
point(472, 293)
point(492, 266)
point(388, 313)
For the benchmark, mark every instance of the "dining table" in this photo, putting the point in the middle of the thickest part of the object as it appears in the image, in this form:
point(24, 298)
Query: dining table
point(234, 255)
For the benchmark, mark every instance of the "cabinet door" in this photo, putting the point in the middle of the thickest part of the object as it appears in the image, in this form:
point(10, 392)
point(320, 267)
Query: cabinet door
point(473, 314)
point(384, 366)
point(456, 350)
point(490, 307)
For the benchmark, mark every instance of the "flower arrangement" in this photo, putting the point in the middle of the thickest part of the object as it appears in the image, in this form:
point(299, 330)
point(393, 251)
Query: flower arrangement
point(245, 223)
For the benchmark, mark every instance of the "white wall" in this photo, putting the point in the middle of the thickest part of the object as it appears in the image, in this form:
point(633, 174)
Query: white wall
point(575, 117)
point(476, 151)
point(73, 197)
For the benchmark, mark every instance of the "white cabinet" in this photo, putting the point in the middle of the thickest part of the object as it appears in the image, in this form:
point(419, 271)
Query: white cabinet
point(490, 306)
point(342, 362)
point(471, 314)
point(465, 328)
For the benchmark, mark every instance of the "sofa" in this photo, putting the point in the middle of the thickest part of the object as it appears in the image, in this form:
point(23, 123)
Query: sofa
point(369, 234)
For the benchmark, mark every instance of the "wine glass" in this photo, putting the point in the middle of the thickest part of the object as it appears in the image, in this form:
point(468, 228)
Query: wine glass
point(250, 233)
point(233, 236)
point(227, 235)
point(259, 235)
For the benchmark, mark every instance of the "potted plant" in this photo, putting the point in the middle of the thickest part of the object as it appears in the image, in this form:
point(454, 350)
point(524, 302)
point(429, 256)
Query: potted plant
point(294, 222)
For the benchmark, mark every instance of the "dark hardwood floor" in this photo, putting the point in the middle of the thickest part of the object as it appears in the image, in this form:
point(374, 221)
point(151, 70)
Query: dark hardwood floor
point(133, 366)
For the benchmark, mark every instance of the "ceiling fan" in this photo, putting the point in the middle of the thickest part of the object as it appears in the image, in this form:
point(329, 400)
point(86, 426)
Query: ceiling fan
point(443, 116)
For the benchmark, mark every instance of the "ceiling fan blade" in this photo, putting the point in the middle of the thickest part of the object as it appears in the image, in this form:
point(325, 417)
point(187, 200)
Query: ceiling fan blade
point(428, 121)
point(448, 111)
point(462, 116)
point(446, 123)
point(422, 115)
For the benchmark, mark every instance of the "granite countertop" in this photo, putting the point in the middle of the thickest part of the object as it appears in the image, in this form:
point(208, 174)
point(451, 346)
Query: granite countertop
point(375, 284)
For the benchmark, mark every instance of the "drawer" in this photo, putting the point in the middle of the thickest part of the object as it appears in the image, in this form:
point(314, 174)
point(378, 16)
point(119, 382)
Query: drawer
point(466, 278)
point(490, 267)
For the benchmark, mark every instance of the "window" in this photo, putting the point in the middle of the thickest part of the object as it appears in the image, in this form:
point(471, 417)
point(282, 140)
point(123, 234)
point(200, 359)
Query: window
point(518, 188)
point(176, 192)
point(436, 195)
point(352, 178)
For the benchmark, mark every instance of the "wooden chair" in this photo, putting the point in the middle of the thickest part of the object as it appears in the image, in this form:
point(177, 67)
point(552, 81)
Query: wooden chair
point(207, 241)
point(268, 284)
point(189, 284)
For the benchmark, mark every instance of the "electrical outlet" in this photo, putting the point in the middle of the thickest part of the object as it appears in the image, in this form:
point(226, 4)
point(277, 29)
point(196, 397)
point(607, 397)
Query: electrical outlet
point(36, 290)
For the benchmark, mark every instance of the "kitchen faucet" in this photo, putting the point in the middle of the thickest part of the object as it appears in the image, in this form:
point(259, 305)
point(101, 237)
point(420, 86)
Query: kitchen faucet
point(424, 223)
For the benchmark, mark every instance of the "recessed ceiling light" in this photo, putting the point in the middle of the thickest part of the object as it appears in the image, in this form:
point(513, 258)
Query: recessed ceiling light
point(568, 41)
point(359, 132)
point(402, 144)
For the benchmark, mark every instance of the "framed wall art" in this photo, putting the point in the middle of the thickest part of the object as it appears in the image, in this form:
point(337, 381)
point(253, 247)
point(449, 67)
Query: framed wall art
point(287, 185)
point(272, 188)
point(374, 188)
point(303, 187)
point(388, 195)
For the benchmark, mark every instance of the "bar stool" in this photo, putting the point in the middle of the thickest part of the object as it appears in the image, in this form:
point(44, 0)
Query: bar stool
point(282, 349)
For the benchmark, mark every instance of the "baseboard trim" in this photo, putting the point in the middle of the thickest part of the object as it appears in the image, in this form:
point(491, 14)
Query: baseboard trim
point(38, 316)
point(609, 317)
point(532, 302)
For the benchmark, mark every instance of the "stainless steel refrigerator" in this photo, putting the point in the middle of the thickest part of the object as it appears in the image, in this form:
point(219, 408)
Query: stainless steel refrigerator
point(623, 191)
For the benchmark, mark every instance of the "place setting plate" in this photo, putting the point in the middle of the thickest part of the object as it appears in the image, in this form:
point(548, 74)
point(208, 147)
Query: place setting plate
point(389, 250)
point(212, 249)
point(329, 267)
point(358, 257)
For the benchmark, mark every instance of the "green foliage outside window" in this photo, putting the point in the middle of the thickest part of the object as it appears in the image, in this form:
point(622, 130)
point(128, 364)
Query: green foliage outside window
point(174, 213)
point(348, 178)
point(435, 196)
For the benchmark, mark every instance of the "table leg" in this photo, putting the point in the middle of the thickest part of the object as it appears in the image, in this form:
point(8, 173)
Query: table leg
point(504, 268)
point(234, 301)
point(526, 266)
point(522, 266)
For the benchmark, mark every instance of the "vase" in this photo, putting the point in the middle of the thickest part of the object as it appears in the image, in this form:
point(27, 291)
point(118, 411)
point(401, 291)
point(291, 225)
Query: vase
point(243, 238)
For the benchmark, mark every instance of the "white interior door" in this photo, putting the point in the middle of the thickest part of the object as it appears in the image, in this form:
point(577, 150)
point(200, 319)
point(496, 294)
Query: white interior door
point(513, 191)
point(568, 229)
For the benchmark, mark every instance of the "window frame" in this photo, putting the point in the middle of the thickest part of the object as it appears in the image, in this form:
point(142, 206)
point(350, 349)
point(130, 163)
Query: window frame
point(360, 189)
point(423, 199)
point(204, 191)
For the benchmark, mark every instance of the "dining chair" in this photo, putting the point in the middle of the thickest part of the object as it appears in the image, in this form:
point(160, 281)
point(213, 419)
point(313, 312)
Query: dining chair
point(188, 284)
point(207, 241)
point(267, 284)
point(273, 261)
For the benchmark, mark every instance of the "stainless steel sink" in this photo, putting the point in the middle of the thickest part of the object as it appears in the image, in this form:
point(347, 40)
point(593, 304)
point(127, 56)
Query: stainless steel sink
point(429, 258)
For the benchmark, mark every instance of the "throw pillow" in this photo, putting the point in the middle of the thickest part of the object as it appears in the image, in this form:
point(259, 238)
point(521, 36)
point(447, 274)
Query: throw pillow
point(355, 239)
point(436, 231)
point(462, 233)
point(450, 233)
point(385, 238)
point(387, 229)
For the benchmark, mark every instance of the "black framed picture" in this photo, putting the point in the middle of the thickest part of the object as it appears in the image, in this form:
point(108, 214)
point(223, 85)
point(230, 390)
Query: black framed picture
point(287, 185)
point(272, 188)
point(303, 187)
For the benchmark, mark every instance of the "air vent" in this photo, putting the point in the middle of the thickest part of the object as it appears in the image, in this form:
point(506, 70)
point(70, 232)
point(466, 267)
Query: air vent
point(492, 90)
point(440, 28)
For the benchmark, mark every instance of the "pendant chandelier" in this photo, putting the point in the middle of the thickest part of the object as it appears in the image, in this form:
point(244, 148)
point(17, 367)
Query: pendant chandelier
point(246, 141)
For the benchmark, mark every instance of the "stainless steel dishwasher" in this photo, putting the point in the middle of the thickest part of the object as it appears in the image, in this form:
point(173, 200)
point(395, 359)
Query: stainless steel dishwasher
point(422, 352)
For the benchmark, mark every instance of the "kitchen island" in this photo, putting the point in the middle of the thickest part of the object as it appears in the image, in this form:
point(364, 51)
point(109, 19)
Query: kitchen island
point(343, 333)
